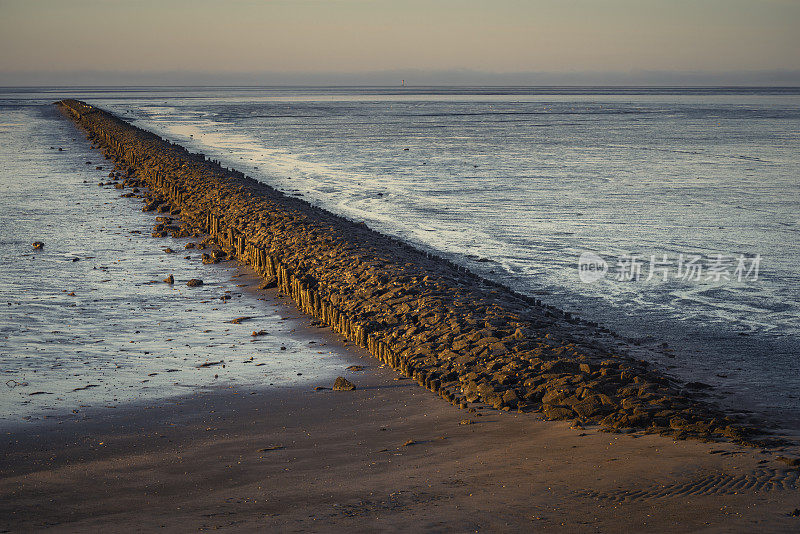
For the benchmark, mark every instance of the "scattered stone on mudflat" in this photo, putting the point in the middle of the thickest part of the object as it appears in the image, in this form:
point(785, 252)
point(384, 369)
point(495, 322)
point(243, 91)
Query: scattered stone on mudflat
point(320, 388)
point(168, 250)
point(271, 448)
point(259, 333)
point(342, 384)
point(356, 368)
point(240, 319)
point(466, 422)
point(189, 245)
point(211, 364)
point(38, 245)
point(194, 282)
point(170, 279)
point(409, 443)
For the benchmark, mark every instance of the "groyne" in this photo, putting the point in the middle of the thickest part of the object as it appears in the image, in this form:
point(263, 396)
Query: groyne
point(465, 338)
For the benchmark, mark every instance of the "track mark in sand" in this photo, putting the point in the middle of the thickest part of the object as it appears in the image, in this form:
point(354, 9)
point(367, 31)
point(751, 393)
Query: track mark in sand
point(759, 480)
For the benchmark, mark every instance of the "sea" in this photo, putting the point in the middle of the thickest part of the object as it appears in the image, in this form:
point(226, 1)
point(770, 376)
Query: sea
point(669, 215)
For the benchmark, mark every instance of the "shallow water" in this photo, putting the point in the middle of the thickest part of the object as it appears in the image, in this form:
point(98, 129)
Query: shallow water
point(87, 321)
point(517, 183)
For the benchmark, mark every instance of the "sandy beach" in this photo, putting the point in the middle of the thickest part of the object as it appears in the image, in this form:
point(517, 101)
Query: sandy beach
point(389, 456)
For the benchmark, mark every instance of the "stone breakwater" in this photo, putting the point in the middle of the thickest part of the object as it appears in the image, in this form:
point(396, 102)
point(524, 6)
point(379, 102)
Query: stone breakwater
point(465, 338)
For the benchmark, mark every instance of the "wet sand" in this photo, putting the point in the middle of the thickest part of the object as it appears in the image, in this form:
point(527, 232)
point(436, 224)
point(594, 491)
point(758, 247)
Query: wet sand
point(297, 460)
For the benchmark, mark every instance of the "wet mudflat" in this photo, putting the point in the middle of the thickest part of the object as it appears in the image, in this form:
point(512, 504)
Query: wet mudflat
point(86, 319)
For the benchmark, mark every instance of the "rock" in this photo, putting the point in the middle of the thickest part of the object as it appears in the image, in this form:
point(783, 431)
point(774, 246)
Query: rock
point(554, 396)
point(38, 245)
point(169, 280)
point(510, 398)
point(194, 282)
point(259, 333)
point(355, 368)
point(168, 250)
point(342, 384)
point(591, 407)
point(409, 443)
point(557, 412)
point(269, 283)
point(150, 206)
point(239, 319)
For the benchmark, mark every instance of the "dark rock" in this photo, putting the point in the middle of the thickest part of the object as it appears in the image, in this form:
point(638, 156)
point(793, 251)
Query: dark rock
point(510, 398)
point(170, 279)
point(150, 206)
point(269, 283)
point(342, 384)
point(557, 412)
point(194, 282)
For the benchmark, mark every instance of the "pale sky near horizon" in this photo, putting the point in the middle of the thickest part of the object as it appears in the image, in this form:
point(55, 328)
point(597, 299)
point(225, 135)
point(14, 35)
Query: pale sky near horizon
point(375, 35)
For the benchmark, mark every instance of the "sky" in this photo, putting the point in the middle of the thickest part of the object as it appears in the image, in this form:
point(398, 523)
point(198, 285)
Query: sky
point(274, 40)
